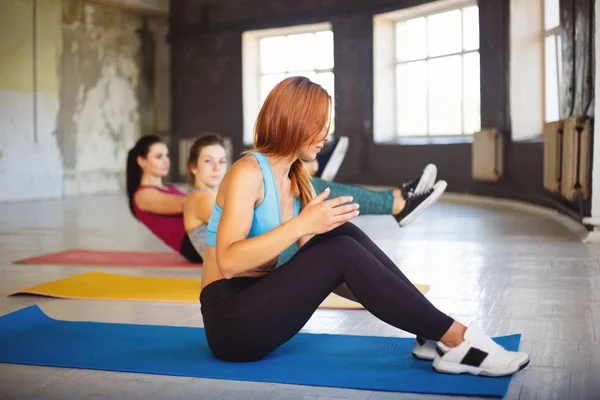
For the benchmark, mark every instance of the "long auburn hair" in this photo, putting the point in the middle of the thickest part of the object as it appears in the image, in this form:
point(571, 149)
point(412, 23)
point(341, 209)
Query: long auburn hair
point(296, 112)
point(133, 170)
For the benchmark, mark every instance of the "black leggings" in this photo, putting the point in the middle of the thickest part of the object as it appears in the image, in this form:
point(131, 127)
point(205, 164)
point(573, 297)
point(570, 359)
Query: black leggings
point(187, 250)
point(247, 318)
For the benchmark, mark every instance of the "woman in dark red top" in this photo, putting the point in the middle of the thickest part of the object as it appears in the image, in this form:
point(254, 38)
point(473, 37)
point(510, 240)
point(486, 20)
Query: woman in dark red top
point(155, 205)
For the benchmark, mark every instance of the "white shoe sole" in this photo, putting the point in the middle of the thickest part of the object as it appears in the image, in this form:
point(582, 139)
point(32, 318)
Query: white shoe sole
point(336, 159)
point(427, 179)
point(425, 356)
point(457, 369)
point(439, 189)
point(425, 351)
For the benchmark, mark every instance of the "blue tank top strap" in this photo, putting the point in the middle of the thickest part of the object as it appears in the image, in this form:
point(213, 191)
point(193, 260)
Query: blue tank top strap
point(297, 206)
point(268, 178)
point(270, 184)
point(267, 215)
point(213, 225)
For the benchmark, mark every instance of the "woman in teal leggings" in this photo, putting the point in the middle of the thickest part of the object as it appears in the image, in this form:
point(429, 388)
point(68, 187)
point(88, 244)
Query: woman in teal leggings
point(395, 202)
point(382, 202)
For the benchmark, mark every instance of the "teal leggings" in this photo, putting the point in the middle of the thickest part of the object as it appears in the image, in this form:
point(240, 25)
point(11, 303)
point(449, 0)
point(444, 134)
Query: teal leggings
point(378, 202)
point(371, 202)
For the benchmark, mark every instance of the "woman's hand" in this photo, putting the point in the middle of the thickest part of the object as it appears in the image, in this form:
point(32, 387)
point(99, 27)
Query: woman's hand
point(321, 215)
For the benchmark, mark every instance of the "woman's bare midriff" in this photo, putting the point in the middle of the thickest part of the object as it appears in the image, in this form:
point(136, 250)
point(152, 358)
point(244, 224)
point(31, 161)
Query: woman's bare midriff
point(211, 272)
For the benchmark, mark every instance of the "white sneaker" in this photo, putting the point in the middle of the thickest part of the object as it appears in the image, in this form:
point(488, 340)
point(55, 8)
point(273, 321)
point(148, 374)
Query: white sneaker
point(335, 161)
point(424, 349)
point(478, 354)
point(422, 184)
point(427, 179)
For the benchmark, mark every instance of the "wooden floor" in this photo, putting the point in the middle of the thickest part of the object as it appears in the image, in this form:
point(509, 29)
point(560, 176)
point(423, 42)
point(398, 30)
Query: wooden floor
point(508, 270)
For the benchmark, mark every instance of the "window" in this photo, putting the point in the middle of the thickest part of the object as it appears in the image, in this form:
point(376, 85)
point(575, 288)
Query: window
point(437, 73)
point(273, 55)
point(553, 59)
point(527, 114)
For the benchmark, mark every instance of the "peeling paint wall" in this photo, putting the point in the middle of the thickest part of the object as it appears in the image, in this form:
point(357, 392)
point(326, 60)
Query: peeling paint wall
point(595, 212)
point(162, 97)
point(76, 91)
point(99, 118)
point(30, 162)
point(147, 6)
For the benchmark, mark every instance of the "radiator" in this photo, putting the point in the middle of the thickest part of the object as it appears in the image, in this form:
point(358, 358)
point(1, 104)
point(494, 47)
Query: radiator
point(576, 158)
point(553, 132)
point(487, 158)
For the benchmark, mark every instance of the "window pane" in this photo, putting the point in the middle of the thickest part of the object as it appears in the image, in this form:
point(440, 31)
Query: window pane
point(323, 50)
point(411, 39)
point(444, 31)
point(300, 55)
point(551, 14)
point(551, 72)
point(559, 60)
point(445, 96)
point(471, 94)
point(471, 28)
point(267, 83)
point(309, 74)
point(411, 98)
point(326, 79)
point(272, 54)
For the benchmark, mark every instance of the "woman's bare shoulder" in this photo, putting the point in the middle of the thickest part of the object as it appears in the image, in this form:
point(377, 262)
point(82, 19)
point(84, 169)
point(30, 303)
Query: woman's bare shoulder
point(246, 168)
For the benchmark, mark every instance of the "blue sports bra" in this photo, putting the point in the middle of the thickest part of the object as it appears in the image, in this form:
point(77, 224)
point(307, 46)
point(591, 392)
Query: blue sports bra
point(267, 215)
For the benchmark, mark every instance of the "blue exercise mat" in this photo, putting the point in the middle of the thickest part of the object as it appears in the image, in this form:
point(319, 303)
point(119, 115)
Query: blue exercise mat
point(28, 336)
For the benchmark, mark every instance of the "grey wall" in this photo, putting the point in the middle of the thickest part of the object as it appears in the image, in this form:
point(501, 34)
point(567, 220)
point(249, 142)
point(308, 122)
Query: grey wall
point(207, 88)
point(77, 89)
point(30, 160)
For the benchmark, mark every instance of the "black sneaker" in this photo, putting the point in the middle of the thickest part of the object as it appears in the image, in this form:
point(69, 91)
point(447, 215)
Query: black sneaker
point(421, 185)
point(331, 160)
point(417, 203)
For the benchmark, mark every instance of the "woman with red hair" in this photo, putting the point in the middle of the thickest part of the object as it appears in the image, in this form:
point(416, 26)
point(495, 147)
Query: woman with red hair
point(265, 204)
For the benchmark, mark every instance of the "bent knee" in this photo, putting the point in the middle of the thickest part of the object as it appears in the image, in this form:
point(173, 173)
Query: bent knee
point(347, 229)
point(342, 244)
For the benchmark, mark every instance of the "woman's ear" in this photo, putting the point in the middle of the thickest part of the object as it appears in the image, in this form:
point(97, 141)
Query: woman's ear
point(140, 161)
point(193, 169)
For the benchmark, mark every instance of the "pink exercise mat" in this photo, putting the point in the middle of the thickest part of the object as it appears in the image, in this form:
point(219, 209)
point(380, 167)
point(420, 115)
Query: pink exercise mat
point(112, 259)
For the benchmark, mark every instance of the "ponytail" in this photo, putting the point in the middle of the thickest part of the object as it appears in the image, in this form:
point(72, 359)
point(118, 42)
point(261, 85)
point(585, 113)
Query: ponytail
point(133, 170)
point(301, 185)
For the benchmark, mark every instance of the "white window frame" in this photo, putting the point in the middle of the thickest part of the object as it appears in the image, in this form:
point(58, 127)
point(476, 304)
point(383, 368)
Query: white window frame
point(251, 73)
point(555, 31)
point(385, 62)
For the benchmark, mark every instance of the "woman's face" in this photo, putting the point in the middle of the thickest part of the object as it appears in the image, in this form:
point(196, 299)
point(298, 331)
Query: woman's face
point(157, 162)
point(210, 166)
point(309, 151)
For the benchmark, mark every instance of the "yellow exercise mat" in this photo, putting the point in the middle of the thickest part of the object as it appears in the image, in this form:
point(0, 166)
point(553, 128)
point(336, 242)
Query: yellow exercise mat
point(105, 286)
